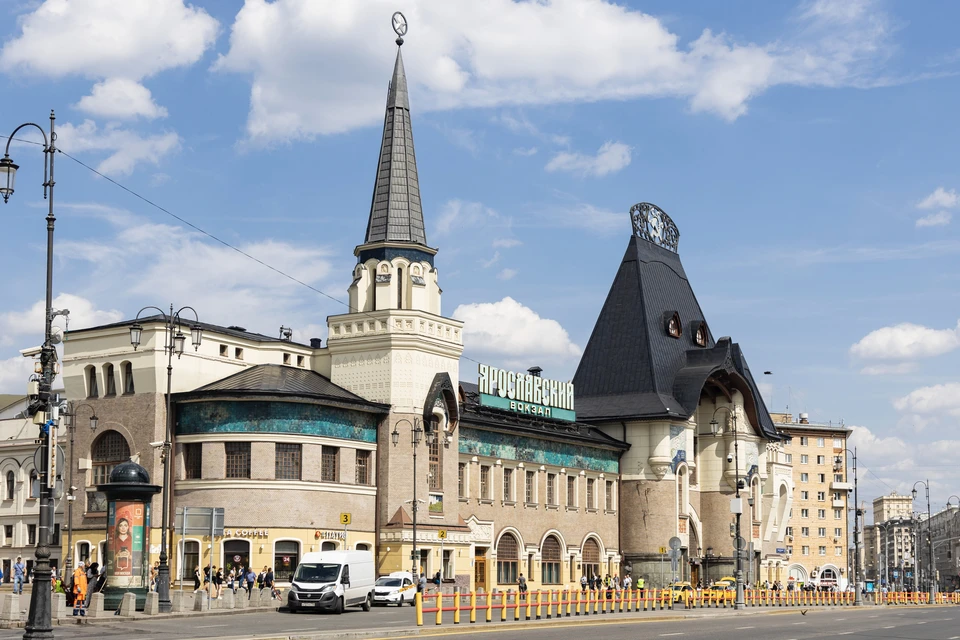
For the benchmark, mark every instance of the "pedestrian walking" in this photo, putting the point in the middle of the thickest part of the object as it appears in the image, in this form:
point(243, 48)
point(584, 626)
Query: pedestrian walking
point(522, 584)
point(627, 582)
point(251, 578)
point(232, 581)
point(218, 581)
point(583, 583)
point(19, 571)
point(197, 577)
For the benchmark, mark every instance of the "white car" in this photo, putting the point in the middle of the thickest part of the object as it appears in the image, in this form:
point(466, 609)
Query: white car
point(396, 588)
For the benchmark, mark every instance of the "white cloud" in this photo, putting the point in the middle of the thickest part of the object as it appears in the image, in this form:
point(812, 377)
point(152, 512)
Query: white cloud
point(107, 39)
point(460, 214)
point(461, 53)
point(525, 152)
point(506, 274)
point(133, 265)
point(514, 334)
point(587, 217)
point(940, 198)
point(14, 373)
point(494, 259)
point(891, 463)
point(939, 219)
point(935, 399)
point(906, 341)
point(467, 139)
point(83, 313)
point(899, 368)
point(506, 243)
point(610, 158)
point(126, 148)
point(122, 42)
point(121, 98)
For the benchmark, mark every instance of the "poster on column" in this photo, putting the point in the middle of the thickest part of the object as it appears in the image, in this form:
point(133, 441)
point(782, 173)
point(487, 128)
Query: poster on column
point(126, 532)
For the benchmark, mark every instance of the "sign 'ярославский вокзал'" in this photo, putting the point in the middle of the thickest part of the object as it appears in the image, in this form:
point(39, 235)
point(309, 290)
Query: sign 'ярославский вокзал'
point(525, 393)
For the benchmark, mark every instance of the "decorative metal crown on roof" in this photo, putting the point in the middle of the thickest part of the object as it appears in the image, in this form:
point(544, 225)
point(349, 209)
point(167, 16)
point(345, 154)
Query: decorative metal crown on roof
point(651, 223)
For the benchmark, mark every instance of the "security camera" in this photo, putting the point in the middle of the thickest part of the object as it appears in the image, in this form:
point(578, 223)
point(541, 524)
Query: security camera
point(729, 457)
point(157, 444)
point(73, 488)
point(32, 352)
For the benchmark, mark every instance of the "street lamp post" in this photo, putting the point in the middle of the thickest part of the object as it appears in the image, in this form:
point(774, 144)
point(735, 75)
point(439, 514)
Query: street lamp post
point(71, 413)
point(174, 342)
point(39, 618)
point(931, 571)
point(416, 435)
point(737, 504)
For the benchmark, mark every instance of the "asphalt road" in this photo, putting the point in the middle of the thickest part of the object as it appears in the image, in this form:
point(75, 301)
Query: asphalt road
point(938, 623)
point(934, 623)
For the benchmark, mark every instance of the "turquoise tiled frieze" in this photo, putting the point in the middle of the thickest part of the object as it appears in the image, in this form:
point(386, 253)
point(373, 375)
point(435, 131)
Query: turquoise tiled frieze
point(478, 442)
point(225, 416)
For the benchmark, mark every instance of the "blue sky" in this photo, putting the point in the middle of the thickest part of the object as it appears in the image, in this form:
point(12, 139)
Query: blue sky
point(805, 151)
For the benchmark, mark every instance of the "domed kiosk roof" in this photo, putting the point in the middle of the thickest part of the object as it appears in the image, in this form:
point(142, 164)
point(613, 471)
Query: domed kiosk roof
point(129, 481)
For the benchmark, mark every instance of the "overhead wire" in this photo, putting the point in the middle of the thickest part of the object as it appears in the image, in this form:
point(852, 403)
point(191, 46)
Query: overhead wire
point(213, 237)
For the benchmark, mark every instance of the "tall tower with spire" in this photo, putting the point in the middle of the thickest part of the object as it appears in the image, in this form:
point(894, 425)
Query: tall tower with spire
point(394, 346)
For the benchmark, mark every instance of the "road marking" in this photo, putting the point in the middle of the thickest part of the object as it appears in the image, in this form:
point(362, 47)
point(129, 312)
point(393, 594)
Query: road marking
point(890, 627)
point(209, 626)
point(799, 623)
point(738, 628)
point(846, 633)
point(921, 623)
point(840, 619)
point(663, 635)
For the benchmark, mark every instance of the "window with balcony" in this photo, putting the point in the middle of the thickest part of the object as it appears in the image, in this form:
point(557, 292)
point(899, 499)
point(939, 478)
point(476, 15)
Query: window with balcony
point(838, 443)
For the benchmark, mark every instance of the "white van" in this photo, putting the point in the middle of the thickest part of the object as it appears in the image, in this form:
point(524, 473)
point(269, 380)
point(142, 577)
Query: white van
point(332, 580)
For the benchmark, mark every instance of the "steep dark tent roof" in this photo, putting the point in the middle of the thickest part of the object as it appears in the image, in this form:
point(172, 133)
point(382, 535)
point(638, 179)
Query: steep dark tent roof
point(632, 367)
point(279, 380)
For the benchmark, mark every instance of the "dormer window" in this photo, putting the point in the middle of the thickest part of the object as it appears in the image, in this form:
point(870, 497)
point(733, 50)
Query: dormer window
point(673, 327)
point(698, 329)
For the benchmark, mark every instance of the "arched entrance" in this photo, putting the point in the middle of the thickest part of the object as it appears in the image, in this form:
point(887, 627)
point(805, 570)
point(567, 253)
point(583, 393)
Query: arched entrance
point(551, 557)
point(591, 558)
point(796, 576)
point(508, 559)
point(829, 577)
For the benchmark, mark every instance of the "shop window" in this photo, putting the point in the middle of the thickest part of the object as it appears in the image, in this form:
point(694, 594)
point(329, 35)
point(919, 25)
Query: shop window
point(550, 557)
point(286, 557)
point(330, 464)
point(363, 467)
point(193, 461)
point(591, 558)
point(108, 450)
point(237, 459)
point(236, 553)
point(110, 381)
point(191, 559)
point(508, 559)
point(11, 485)
point(128, 386)
point(288, 457)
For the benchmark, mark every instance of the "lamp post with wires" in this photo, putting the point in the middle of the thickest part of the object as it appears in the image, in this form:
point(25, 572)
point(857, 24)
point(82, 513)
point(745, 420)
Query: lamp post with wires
point(931, 571)
point(42, 408)
point(71, 414)
point(174, 342)
point(417, 433)
point(736, 505)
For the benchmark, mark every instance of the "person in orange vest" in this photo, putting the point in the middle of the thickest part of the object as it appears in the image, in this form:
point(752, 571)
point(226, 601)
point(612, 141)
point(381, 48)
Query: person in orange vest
point(79, 590)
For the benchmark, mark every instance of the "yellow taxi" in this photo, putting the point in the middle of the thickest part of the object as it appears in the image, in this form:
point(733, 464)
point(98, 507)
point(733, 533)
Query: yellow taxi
point(680, 591)
point(725, 588)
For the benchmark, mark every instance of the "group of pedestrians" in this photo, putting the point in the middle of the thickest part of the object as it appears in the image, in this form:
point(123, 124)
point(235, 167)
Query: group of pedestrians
point(238, 577)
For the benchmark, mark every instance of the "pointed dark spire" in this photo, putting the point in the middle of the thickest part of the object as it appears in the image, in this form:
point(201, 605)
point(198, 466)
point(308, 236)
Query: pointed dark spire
point(395, 213)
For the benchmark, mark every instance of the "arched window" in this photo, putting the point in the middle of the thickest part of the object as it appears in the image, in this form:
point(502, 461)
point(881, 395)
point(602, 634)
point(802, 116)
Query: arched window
point(363, 546)
point(328, 546)
point(399, 288)
point(11, 485)
point(128, 387)
point(108, 450)
point(286, 557)
point(550, 556)
point(236, 553)
point(109, 381)
point(591, 558)
point(191, 559)
point(34, 484)
point(508, 559)
point(92, 390)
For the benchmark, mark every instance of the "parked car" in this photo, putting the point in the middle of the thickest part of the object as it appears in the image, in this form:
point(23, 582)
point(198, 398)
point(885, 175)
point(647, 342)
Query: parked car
point(332, 580)
point(681, 590)
point(396, 588)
